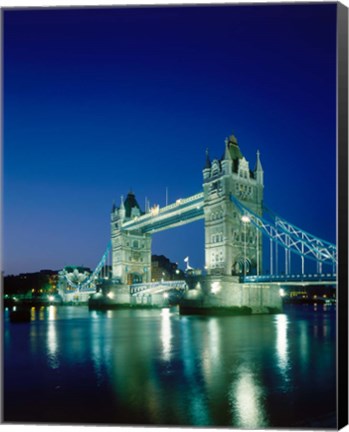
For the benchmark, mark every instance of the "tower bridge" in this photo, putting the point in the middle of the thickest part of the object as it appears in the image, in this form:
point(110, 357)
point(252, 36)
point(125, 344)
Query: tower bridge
point(235, 223)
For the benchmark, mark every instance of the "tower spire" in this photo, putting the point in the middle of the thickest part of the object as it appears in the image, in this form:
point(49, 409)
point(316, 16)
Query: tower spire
point(258, 163)
point(122, 211)
point(227, 155)
point(208, 162)
point(258, 169)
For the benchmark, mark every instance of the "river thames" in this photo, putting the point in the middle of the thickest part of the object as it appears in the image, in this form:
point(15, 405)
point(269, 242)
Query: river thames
point(155, 367)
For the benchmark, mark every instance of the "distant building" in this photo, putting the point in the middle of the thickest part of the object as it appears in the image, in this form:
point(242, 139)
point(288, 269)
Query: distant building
point(163, 269)
point(36, 284)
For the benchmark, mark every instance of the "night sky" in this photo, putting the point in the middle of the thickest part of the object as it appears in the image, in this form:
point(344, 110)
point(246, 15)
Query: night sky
point(101, 101)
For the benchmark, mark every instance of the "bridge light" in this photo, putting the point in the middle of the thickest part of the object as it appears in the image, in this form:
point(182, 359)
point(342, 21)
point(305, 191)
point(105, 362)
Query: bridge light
point(245, 219)
point(165, 295)
point(215, 287)
point(110, 295)
point(282, 292)
point(155, 210)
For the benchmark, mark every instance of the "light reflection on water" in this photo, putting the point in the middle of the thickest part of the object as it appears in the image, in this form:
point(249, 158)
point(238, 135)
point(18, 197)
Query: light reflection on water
point(156, 367)
point(282, 342)
point(166, 335)
point(246, 399)
point(52, 344)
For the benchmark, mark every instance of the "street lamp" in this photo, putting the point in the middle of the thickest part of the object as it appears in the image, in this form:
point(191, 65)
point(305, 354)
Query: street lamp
point(245, 219)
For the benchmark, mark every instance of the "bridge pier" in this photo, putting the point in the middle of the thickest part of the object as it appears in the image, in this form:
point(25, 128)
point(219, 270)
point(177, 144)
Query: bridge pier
point(110, 295)
point(226, 295)
point(149, 300)
point(114, 295)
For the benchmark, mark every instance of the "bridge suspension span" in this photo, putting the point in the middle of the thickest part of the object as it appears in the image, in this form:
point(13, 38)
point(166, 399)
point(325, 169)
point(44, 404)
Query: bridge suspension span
point(291, 238)
point(81, 281)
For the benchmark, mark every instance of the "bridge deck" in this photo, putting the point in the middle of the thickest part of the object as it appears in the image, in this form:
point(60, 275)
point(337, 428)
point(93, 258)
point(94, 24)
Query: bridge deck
point(183, 211)
point(294, 279)
point(157, 287)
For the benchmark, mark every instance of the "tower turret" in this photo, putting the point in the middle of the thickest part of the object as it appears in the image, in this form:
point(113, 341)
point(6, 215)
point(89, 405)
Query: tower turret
point(258, 171)
point(234, 151)
point(131, 206)
point(122, 211)
point(227, 161)
point(207, 168)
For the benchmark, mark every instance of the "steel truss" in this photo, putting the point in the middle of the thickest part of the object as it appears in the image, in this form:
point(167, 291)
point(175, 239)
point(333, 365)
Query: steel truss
point(85, 285)
point(290, 237)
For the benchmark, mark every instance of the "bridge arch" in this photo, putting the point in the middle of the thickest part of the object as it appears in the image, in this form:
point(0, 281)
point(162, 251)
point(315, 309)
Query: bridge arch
point(242, 266)
point(134, 278)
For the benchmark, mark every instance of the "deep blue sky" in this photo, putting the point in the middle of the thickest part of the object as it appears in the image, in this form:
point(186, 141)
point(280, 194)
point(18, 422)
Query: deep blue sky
point(98, 101)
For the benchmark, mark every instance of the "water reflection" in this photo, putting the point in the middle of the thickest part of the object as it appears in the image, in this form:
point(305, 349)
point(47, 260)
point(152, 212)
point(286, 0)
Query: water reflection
point(157, 368)
point(193, 354)
point(166, 334)
point(213, 346)
point(100, 343)
point(211, 358)
point(96, 347)
point(246, 398)
point(303, 344)
point(52, 345)
point(282, 342)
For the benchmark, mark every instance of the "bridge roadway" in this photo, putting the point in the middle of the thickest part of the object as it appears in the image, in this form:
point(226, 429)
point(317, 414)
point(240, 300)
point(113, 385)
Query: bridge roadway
point(293, 279)
point(157, 287)
point(181, 212)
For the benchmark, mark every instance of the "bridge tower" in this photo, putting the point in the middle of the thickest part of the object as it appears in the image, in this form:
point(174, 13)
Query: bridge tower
point(131, 250)
point(233, 245)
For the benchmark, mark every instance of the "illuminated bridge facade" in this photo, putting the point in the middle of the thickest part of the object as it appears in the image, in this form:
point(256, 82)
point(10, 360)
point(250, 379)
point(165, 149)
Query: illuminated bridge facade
point(236, 222)
point(231, 246)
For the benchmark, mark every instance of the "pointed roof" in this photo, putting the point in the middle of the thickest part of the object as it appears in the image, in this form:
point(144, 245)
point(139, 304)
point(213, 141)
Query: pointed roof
point(208, 162)
point(227, 155)
point(258, 166)
point(234, 149)
point(130, 203)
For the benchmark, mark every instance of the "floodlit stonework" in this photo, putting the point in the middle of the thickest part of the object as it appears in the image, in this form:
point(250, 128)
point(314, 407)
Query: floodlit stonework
point(233, 246)
point(131, 250)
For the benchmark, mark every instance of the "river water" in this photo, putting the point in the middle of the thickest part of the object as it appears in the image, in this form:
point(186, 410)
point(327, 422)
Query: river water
point(142, 367)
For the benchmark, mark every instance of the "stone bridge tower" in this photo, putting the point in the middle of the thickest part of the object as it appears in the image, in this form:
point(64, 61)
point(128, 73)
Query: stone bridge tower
point(131, 250)
point(233, 246)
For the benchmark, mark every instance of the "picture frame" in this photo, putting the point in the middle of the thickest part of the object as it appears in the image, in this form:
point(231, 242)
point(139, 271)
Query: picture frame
point(216, 324)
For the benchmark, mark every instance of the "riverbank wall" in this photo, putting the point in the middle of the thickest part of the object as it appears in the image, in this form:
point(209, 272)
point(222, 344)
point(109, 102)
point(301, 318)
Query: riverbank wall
point(221, 294)
point(207, 295)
